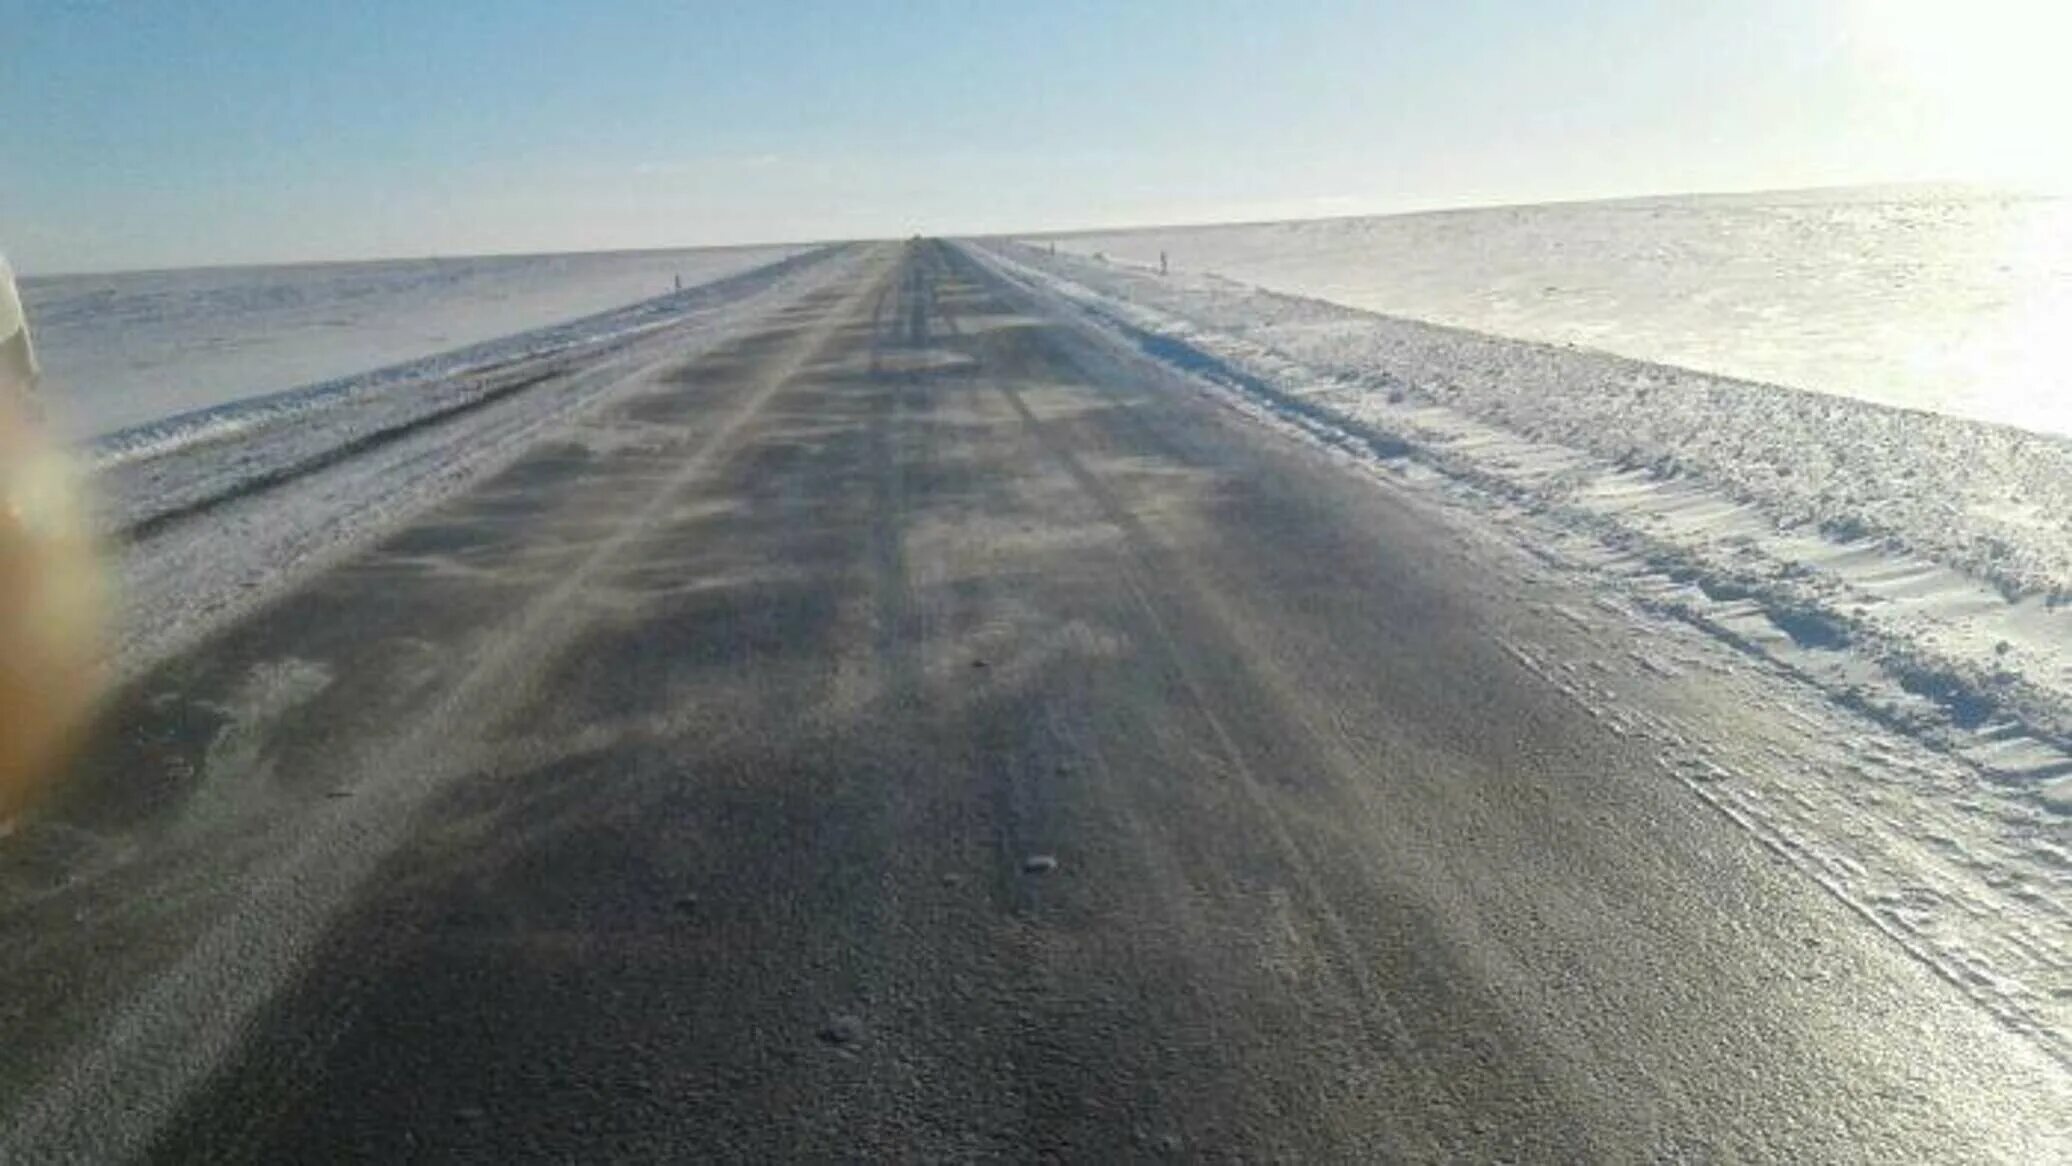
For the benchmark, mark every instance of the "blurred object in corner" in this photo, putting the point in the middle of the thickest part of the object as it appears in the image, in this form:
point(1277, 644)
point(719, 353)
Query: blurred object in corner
point(50, 589)
point(17, 358)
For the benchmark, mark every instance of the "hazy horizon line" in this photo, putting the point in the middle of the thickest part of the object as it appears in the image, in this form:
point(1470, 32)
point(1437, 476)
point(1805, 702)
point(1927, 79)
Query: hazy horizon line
point(1918, 186)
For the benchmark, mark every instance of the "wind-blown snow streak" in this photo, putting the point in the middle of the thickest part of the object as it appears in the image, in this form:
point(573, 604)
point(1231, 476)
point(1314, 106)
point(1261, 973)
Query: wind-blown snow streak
point(1912, 569)
point(210, 511)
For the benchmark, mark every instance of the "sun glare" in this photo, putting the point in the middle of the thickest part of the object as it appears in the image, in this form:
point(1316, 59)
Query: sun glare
point(1982, 82)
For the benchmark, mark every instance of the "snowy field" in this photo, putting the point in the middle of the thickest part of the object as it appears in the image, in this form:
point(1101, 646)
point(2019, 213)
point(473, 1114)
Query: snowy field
point(1948, 301)
point(1908, 572)
point(126, 349)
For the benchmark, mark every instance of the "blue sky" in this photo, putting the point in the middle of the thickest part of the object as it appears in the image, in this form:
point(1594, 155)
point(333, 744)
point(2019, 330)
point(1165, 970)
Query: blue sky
point(142, 134)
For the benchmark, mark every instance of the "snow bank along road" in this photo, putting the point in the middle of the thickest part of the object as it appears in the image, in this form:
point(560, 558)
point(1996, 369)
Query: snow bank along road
point(921, 725)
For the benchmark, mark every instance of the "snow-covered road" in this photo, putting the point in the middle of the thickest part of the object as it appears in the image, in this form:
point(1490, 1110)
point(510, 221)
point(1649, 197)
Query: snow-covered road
point(942, 703)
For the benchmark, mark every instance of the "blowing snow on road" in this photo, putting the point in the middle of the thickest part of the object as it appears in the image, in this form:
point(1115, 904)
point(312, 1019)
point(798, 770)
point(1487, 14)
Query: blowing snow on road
point(889, 710)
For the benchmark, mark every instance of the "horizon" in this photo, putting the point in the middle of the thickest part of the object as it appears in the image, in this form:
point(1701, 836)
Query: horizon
point(1922, 188)
point(232, 135)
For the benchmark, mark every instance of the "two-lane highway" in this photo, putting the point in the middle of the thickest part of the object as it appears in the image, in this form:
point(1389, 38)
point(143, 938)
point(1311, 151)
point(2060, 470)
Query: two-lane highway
point(920, 730)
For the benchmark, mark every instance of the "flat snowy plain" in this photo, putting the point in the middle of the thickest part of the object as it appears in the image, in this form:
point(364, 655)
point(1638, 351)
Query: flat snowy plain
point(1947, 300)
point(1894, 580)
point(129, 348)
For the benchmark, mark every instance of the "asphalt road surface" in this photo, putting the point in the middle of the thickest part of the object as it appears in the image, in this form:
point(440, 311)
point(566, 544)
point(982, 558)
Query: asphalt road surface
point(917, 729)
